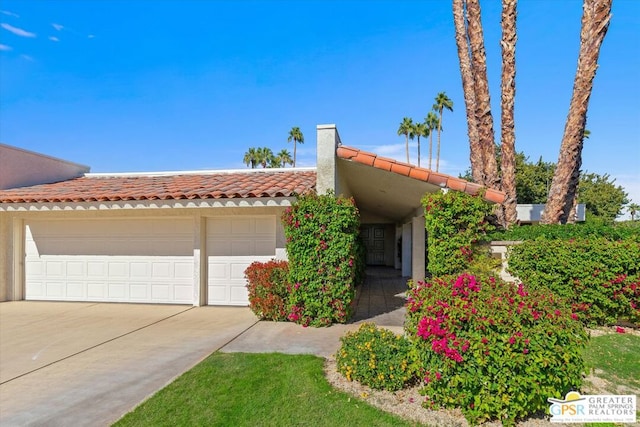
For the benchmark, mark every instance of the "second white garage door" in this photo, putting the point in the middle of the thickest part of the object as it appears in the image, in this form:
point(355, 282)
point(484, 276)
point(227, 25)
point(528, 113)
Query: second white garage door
point(115, 260)
point(233, 243)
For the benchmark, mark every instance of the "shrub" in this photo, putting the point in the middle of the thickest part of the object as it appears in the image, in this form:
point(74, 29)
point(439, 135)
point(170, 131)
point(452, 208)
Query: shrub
point(597, 275)
point(375, 357)
point(323, 246)
point(616, 231)
point(268, 289)
point(493, 349)
point(455, 222)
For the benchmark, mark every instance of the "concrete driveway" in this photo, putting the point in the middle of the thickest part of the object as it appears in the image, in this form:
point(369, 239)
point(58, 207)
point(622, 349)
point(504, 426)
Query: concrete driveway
point(87, 364)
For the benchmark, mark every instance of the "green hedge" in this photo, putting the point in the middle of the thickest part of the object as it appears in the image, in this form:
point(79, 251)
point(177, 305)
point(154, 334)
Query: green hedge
point(599, 276)
point(455, 222)
point(325, 258)
point(619, 231)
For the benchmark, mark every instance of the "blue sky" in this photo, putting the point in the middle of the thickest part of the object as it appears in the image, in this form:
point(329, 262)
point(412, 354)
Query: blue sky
point(144, 85)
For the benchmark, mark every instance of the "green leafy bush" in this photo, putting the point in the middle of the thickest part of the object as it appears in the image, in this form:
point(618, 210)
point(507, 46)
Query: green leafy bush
point(495, 350)
point(616, 231)
point(600, 277)
point(375, 357)
point(325, 258)
point(455, 222)
point(268, 289)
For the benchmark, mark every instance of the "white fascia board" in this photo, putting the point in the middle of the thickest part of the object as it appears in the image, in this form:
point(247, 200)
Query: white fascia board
point(197, 172)
point(148, 204)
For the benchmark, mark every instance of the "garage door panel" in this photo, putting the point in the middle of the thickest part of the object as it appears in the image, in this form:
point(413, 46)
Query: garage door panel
point(118, 291)
point(227, 284)
point(139, 292)
point(54, 268)
point(233, 243)
point(218, 270)
point(238, 295)
point(118, 269)
point(218, 294)
point(55, 290)
point(75, 290)
point(75, 268)
point(96, 291)
point(117, 261)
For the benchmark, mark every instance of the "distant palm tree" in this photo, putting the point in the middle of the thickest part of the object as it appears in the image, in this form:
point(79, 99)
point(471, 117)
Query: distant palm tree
point(295, 135)
point(442, 102)
point(420, 129)
point(432, 123)
point(284, 158)
point(265, 156)
point(251, 157)
point(633, 210)
point(406, 129)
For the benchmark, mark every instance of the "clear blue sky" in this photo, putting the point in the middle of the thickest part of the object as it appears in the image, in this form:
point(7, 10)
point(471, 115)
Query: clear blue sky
point(168, 85)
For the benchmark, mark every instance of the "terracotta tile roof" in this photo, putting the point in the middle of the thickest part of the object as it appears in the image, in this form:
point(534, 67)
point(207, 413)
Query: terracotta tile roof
point(422, 174)
point(220, 185)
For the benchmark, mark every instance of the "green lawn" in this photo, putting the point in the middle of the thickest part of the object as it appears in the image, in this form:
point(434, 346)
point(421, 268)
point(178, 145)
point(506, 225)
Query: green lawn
point(617, 356)
point(290, 390)
point(238, 389)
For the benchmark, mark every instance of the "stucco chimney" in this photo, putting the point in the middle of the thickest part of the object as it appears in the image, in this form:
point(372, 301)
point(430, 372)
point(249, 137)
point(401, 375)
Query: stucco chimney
point(328, 141)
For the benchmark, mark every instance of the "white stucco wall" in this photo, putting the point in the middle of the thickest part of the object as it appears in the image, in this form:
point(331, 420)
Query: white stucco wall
point(21, 168)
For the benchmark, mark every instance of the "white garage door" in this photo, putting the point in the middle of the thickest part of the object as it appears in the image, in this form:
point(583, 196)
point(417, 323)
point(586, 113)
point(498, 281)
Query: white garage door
point(233, 243)
point(145, 261)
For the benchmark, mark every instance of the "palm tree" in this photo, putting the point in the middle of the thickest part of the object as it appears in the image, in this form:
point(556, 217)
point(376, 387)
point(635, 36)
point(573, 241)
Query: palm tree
point(633, 209)
point(265, 156)
point(251, 157)
point(285, 158)
point(295, 135)
point(442, 102)
point(595, 22)
point(420, 129)
point(462, 43)
point(432, 123)
point(483, 116)
point(508, 92)
point(406, 129)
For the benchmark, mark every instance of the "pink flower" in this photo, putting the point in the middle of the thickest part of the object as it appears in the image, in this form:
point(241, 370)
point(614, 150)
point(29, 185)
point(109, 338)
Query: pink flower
point(574, 316)
point(521, 291)
point(438, 375)
point(484, 340)
point(525, 351)
point(512, 340)
point(620, 330)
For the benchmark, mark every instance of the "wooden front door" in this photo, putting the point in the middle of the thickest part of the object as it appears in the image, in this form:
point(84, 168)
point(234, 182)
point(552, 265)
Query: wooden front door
point(373, 237)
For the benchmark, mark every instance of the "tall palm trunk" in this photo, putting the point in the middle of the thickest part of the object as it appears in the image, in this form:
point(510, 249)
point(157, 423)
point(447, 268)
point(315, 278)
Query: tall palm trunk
point(483, 115)
point(438, 149)
point(595, 22)
point(430, 147)
point(475, 154)
point(295, 145)
point(418, 150)
point(508, 92)
point(407, 146)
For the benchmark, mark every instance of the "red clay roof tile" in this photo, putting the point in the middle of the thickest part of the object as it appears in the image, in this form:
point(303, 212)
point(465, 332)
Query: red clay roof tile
point(167, 187)
point(421, 174)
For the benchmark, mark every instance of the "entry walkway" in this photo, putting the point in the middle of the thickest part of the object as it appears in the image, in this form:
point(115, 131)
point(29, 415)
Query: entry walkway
point(381, 298)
